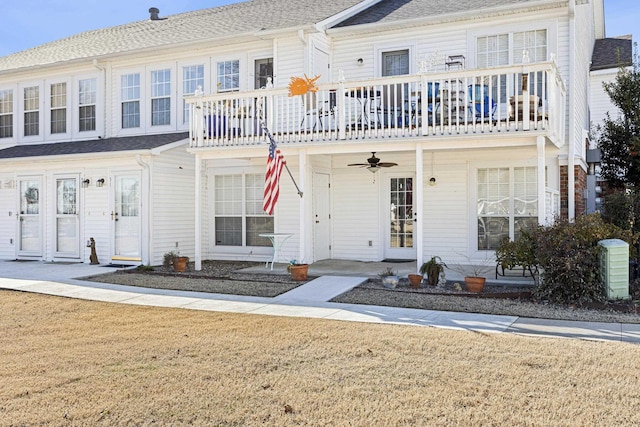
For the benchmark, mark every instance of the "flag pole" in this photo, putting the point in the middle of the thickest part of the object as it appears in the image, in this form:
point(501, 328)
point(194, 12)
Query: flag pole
point(272, 141)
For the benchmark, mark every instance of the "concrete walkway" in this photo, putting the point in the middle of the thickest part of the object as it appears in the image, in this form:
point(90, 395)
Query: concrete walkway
point(308, 300)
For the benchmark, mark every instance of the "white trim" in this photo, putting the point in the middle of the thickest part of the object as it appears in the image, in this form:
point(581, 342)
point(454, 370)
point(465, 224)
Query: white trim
point(380, 48)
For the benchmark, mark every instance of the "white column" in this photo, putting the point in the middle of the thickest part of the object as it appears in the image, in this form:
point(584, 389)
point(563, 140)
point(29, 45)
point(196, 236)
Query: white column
point(418, 207)
point(542, 205)
point(305, 209)
point(198, 219)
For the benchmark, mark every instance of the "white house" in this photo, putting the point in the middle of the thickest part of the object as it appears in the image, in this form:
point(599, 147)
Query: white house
point(478, 113)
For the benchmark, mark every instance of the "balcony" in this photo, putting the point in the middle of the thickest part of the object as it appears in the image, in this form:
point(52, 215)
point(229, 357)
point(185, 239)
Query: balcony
point(514, 99)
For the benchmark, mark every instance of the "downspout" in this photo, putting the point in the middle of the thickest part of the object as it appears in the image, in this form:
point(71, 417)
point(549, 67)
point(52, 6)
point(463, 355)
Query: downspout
point(571, 161)
point(107, 98)
point(146, 212)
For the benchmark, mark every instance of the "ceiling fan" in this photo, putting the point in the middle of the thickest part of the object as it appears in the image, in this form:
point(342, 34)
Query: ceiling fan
point(374, 164)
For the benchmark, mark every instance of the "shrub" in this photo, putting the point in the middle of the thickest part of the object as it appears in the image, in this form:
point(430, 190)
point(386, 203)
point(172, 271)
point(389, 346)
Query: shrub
point(617, 209)
point(567, 253)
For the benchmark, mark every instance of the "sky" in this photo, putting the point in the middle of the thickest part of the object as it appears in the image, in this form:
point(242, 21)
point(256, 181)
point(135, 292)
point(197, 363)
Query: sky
point(29, 23)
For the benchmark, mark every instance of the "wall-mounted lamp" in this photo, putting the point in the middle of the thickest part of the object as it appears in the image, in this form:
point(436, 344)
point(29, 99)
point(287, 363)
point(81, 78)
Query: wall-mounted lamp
point(432, 181)
point(86, 182)
point(100, 182)
point(359, 61)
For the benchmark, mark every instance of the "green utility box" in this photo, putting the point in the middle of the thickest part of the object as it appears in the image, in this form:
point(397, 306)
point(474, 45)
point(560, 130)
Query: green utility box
point(614, 268)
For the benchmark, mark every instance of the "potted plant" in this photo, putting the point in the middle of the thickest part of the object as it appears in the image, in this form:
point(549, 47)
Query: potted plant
point(173, 259)
point(474, 272)
point(415, 280)
point(298, 271)
point(389, 278)
point(434, 269)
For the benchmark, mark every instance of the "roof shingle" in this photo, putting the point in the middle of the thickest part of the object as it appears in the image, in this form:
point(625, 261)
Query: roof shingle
point(613, 52)
point(127, 143)
point(196, 26)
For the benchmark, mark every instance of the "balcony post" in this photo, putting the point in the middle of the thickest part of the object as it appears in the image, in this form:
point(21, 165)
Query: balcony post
point(341, 107)
point(424, 96)
point(542, 205)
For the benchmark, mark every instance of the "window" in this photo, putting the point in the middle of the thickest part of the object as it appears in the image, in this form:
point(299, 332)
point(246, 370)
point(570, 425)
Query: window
point(493, 51)
point(507, 202)
point(58, 108)
point(192, 79)
point(31, 111)
point(506, 49)
point(161, 97)
point(239, 218)
point(534, 42)
point(87, 105)
point(263, 71)
point(395, 63)
point(228, 76)
point(6, 114)
point(130, 95)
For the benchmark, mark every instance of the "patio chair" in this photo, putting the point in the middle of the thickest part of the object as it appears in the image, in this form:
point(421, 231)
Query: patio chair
point(317, 110)
point(483, 107)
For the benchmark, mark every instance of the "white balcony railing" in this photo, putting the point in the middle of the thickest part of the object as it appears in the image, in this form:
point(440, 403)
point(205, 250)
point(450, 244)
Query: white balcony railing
point(528, 97)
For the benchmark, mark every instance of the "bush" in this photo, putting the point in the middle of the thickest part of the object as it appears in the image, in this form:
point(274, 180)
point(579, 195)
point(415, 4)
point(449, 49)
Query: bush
point(567, 253)
point(617, 210)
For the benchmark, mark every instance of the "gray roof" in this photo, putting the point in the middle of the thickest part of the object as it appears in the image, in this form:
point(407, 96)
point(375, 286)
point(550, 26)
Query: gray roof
point(398, 10)
point(126, 143)
point(191, 27)
point(613, 52)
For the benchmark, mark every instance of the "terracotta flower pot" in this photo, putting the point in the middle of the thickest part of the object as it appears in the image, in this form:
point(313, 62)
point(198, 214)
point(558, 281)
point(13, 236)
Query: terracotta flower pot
point(180, 264)
point(415, 280)
point(299, 271)
point(475, 284)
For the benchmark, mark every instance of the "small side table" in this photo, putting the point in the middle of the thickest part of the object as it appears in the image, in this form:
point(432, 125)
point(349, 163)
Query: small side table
point(277, 239)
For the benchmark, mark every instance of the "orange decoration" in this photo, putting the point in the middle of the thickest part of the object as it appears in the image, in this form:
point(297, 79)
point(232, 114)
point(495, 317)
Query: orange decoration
point(301, 86)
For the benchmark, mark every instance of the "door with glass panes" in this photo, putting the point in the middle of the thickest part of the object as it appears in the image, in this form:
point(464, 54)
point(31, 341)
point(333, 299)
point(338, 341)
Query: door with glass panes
point(126, 218)
point(29, 217)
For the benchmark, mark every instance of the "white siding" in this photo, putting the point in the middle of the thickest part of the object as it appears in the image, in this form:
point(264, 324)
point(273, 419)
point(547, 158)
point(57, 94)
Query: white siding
point(7, 217)
point(600, 102)
point(172, 204)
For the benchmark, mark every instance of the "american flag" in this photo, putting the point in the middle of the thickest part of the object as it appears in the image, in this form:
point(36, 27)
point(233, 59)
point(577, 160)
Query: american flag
point(275, 162)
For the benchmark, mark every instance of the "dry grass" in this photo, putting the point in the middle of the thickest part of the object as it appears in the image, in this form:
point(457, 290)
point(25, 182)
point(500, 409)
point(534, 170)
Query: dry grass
point(72, 362)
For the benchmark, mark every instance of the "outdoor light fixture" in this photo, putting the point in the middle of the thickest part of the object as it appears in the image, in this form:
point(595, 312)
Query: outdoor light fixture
point(373, 169)
point(432, 181)
point(86, 182)
point(360, 61)
point(100, 182)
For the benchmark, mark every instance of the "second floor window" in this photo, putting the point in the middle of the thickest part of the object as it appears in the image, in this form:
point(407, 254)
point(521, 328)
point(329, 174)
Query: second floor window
point(87, 105)
point(192, 78)
point(130, 95)
point(58, 108)
point(6, 114)
point(395, 63)
point(228, 76)
point(160, 97)
point(31, 111)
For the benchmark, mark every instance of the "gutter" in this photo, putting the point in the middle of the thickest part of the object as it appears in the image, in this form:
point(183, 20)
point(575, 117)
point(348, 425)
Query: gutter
point(147, 226)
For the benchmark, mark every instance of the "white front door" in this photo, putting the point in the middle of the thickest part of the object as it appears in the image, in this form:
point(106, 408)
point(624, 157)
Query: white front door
point(400, 218)
point(67, 224)
point(321, 217)
point(126, 218)
point(29, 217)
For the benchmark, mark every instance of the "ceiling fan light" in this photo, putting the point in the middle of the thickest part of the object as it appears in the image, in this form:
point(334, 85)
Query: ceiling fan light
point(373, 169)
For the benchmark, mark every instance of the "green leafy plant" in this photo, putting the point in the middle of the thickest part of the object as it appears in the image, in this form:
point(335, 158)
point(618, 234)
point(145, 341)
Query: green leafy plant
point(433, 268)
point(568, 256)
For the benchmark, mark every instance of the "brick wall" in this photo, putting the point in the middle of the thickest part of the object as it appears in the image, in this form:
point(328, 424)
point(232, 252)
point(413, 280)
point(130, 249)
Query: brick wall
point(580, 179)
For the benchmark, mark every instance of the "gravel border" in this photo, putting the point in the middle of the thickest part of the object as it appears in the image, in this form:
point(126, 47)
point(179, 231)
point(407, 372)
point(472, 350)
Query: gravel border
point(223, 277)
